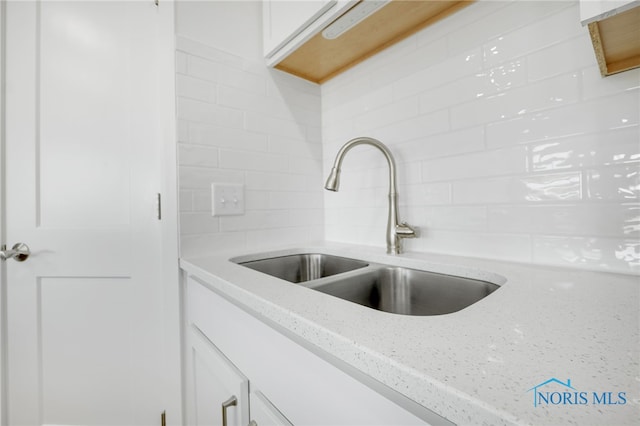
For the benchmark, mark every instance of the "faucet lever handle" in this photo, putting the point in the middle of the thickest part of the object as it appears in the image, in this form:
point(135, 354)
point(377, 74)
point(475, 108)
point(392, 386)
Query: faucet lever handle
point(404, 230)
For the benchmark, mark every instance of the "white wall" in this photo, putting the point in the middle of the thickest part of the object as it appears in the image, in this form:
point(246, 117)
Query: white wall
point(239, 122)
point(509, 144)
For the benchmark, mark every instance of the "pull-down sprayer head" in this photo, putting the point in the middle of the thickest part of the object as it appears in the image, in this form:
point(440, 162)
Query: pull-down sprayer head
point(333, 181)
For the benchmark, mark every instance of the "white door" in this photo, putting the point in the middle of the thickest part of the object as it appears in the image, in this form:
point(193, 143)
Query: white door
point(84, 320)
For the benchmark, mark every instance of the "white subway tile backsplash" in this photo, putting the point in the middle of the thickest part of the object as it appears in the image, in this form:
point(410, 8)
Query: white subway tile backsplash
point(246, 81)
point(202, 199)
point(543, 95)
point(549, 187)
point(475, 165)
point(196, 155)
point(388, 114)
point(204, 112)
point(422, 126)
point(568, 56)
point(195, 245)
point(226, 137)
point(404, 60)
point(197, 222)
point(454, 218)
point(295, 200)
point(259, 123)
point(197, 49)
point(508, 143)
point(256, 199)
point(502, 22)
point(487, 191)
point(245, 160)
point(305, 166)
point(445, 71)
point(594, 253)
point(463, 18)
point(558, 26)
point(254, 219)
point(201, 68)
point(240, 123)
point(194, 88)
point(426, 194)
point(603, 220)
point(268, 239)
point(519, 150)
point(269, 181)
point(595, 86)
point(519, 189)
point(443, 144)
point(185, 201)
point(306, 217)
point(509, 247)
point(359, 105)
point(295, 148)
point(591, 150)
point(478, 85)
point(201, 177)
point(620, 183)
point(606, 114)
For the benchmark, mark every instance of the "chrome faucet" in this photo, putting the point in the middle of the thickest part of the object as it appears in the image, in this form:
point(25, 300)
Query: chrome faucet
point(395, 231)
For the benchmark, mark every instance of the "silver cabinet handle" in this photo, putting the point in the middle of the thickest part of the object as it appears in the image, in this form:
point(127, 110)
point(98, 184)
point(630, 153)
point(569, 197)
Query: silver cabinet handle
point(231, 402)
point(19, 252)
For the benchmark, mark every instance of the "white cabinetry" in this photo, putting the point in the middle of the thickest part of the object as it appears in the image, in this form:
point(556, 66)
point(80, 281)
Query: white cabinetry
point(597, 10)
point(283, 20)
point(213, 382)
point(289, 23)
point(305, 388)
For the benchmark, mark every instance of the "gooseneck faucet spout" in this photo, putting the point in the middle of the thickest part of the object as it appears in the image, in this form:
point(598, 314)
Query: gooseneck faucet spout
point(395, 231)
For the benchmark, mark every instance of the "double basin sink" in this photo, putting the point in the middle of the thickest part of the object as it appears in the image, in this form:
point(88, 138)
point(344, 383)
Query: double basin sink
point(392, 289)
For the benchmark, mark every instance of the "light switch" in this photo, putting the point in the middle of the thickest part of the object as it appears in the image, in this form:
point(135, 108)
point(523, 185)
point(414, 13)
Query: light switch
point(227, 199)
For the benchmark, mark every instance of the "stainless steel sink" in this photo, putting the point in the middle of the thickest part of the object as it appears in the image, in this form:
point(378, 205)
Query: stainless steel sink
point(298, 268)
point(409, 291)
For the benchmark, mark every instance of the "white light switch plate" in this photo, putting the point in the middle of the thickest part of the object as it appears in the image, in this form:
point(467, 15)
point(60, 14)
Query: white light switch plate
point(227, 199)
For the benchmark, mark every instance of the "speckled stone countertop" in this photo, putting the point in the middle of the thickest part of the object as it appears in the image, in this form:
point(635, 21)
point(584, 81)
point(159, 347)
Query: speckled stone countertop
point(483, 364)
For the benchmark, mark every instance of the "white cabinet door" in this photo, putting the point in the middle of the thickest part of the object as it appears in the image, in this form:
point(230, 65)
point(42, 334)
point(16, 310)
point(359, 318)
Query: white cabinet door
point(263, 413)
point(214, 380)
point(83, 137)
point(284, 19)
point(596, 10)
point(306, 388)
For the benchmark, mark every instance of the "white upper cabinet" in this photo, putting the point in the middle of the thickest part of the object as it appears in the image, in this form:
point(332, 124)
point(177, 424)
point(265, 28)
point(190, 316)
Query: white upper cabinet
point(597, 10)
point(283, 20)
point(289, 23)
point(317, 40)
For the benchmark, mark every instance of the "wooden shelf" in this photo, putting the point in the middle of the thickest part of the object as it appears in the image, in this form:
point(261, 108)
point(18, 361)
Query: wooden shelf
point(616, 41)
point(320, 59)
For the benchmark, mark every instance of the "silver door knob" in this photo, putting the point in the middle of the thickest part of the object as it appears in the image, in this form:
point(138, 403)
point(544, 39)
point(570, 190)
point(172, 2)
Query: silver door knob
point(19, 252)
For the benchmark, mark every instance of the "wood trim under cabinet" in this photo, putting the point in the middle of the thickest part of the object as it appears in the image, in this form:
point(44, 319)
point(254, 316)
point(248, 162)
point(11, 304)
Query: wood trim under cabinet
point(616, 42)
point(320, 59)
